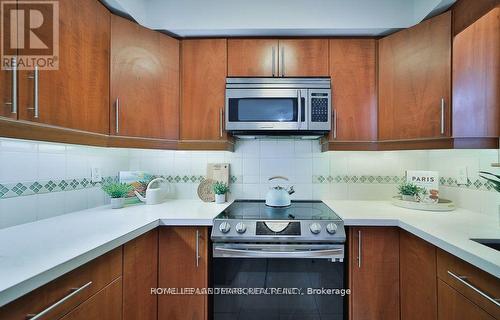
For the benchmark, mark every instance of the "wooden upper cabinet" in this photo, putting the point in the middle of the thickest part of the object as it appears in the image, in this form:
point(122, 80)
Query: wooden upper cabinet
point(374, 273)
point(76, 95)
point(417, 262)
point(252, 57)
point(353, 73)
point(414, 81)
point(7, 108)
point(303, 58)
point(183, 263)
point(144, 82)
point(277, 58)
point(476, 78)
point(204, 66)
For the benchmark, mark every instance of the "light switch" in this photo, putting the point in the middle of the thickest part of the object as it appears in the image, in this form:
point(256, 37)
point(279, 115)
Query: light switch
point(96, 175)
point(462, 178)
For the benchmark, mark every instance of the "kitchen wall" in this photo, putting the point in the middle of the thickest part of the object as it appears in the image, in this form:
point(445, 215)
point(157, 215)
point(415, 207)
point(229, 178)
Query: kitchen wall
point(332, 175)
point(40, 180)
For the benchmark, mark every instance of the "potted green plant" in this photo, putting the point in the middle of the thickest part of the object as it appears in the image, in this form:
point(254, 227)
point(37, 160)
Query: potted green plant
point(410, 191)
point(117, 191)
point(220, 190)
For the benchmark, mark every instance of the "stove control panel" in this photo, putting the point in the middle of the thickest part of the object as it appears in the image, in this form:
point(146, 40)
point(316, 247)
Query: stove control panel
point(310, 231)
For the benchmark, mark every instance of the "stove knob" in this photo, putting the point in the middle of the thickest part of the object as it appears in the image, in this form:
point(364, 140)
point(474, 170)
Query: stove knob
point(224, 227)
point(331, 228)
point(241, 227)
point(315, 228)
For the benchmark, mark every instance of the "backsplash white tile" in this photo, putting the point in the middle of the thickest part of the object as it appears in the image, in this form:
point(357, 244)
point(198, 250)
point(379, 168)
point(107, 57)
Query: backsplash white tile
point(315, 175)
point(28, 161)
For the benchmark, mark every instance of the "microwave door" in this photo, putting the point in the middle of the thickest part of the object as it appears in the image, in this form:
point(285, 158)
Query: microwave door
point(266, 109)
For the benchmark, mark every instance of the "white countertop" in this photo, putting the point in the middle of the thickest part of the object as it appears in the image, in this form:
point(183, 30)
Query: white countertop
point(36, 253)
point(450, 231)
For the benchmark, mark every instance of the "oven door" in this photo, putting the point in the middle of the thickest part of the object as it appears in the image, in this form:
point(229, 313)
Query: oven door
point(275, 267)
point(266, 109)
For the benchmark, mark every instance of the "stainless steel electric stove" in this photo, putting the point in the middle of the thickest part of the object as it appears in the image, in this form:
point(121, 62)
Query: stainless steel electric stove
point(256, 247)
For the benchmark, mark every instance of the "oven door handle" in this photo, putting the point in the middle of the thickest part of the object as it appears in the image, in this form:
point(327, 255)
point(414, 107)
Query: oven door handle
point(225, 252)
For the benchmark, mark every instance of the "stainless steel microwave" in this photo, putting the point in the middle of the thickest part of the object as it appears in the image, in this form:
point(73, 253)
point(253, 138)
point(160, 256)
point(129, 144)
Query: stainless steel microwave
point(278, 106)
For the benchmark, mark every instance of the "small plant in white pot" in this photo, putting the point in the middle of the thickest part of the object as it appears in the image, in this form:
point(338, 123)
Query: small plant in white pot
point(220, 190)
point(410, 191)
point(117, 191)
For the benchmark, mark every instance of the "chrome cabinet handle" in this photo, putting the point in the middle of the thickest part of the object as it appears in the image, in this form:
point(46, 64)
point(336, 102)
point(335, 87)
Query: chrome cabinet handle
point(335, 123)
point(463, 280)
point(13, 103)
point(197, 248)
point(359, 249)
point(117, 117)
point(35, 107)
point(442, 116)
point(274, 62)
point(299, 116)
point(221, 120)
point(58, 303)
point(282, 61)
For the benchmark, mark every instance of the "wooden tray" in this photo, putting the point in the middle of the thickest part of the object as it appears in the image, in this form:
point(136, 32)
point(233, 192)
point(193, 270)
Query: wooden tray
point(442, 205)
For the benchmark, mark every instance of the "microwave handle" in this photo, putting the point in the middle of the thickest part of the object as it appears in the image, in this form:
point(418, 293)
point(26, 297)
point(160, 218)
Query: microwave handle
point(299, 116)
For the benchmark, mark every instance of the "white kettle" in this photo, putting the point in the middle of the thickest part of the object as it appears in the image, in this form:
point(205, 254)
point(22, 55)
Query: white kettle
point(278, 196)
point(156, 192)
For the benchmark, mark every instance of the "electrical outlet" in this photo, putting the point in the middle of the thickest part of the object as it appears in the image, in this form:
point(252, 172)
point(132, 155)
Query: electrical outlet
point(96, 174)
point(462, 177)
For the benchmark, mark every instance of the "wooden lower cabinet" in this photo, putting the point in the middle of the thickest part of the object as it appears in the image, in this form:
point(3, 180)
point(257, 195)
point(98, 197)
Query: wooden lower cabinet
point(140, 274)
point(374, 273)
point(467, 281)
point(454, 306)
point(417, 277)
point(183, 258)
point(105, 305)
point(91, 278)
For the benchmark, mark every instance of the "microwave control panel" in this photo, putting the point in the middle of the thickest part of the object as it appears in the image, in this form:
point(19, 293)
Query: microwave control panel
point(319, 107)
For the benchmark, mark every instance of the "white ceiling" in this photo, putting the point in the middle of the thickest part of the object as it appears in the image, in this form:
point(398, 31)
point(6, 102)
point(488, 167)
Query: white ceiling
point(197, 18)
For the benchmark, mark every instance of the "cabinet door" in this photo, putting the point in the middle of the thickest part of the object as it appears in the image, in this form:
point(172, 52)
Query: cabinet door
point(144, 82)
point(105, 305)
point(454, 306)
point(303, 58)
point(374, 273)
point(418, 278)
point(140, 274)
point(476, 78)
point(353, 74)
point(204, 64)
point(183, 257)
point(75, 96)
point(252, 57)
point(414, 81)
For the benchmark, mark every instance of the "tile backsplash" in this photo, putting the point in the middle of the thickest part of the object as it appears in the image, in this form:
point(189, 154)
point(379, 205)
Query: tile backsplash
point(39, 180)
point(315, 175)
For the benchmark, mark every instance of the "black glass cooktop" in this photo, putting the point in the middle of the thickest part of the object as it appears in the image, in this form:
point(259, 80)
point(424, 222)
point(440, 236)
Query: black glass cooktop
point(298, 210)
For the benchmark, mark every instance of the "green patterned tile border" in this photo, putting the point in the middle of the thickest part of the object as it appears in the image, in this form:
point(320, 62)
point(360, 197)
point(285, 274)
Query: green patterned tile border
point(17, 189)
point(475, 184)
